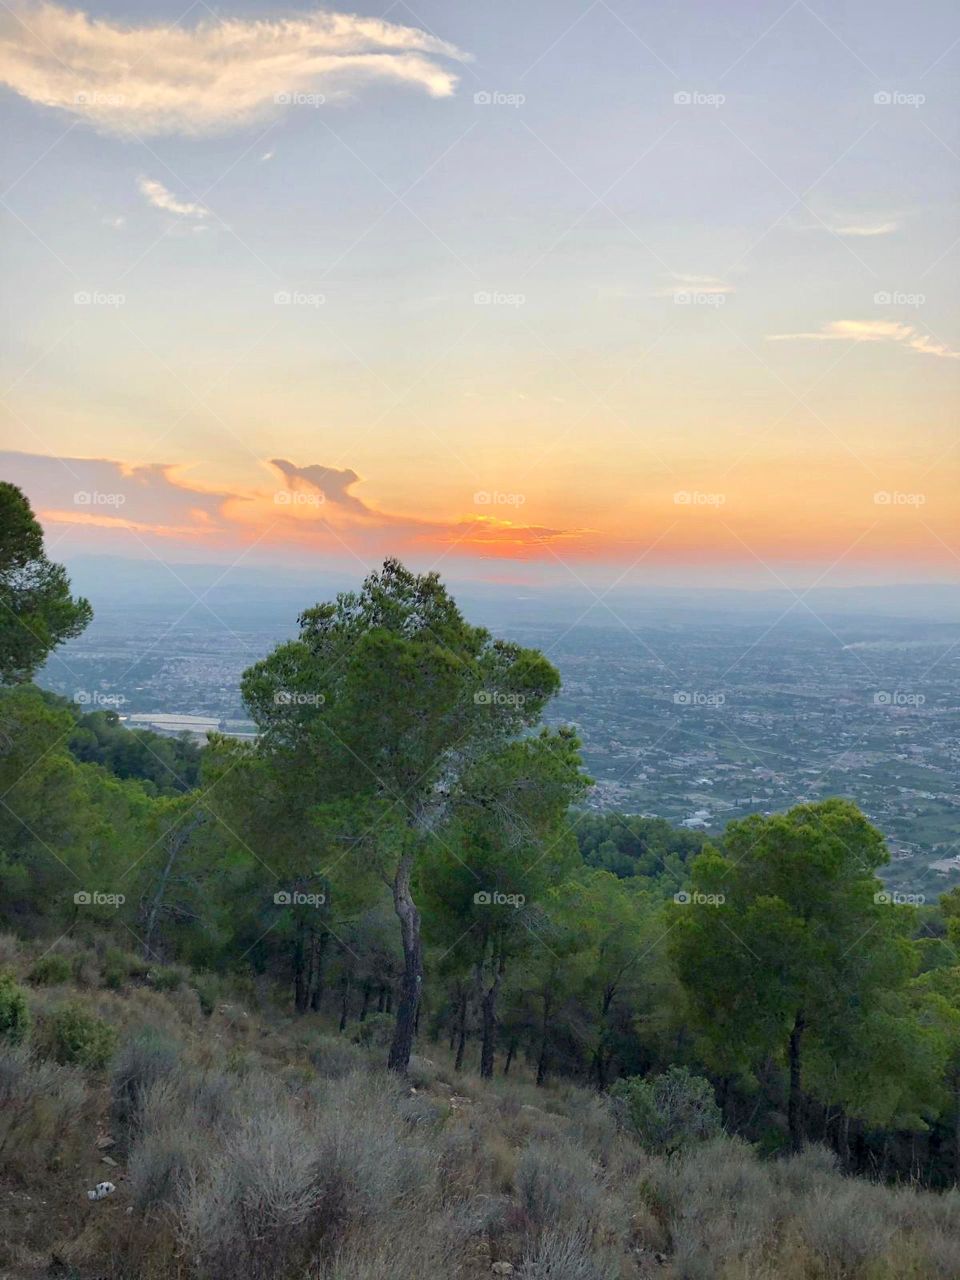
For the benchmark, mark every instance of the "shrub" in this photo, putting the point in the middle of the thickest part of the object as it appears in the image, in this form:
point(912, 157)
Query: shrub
point(41, 1105)
point(51, 969)
point(14, 1013)
point(168, 978)
point(334, 1057)
point(557, 1187)
point(669, 1111)
point(140, 1063)
point(252, 1212)
point(163, 1163)
point(207, 987)
point(78, 1037)
point(375, 1031)
point(565, 1255)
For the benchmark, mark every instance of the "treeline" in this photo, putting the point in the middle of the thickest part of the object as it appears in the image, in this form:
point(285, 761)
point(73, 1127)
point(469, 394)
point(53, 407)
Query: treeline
point(404, 849)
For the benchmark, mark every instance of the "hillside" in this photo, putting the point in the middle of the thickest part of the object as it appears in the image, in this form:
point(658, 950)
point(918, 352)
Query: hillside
point(247, 1144)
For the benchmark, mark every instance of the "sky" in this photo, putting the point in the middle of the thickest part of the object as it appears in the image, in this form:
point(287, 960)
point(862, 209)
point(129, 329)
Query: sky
point(556, 291)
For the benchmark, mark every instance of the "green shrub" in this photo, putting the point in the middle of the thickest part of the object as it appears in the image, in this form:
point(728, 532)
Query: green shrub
point(375, 1031)
point(81, 1038)
point(51, 969)
point(668, 1111)
point(116, 969)
point(14, 1013)
point(207, 987)
point(167, 978)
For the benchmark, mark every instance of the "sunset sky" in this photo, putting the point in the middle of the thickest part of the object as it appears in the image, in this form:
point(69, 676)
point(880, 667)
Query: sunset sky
point(609, 288)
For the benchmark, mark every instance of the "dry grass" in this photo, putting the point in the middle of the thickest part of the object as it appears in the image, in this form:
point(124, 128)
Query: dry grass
point(252, 1146)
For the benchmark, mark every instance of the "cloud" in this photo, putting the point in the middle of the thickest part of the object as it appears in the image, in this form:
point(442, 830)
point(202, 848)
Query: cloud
point(328, 481)
point(158, 195)
point(866, 229)
point(872, 331)
point(686, 284)
point(223, 73)
point(857, 225)
point(101, 491)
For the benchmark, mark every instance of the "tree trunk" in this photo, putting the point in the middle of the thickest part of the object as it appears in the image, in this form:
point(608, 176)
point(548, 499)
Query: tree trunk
point(412, 983)
point(542, 1061)
point(511, 1050)
point(544, 1034)
point(488, 1011)
point(795, 1099)
point(382, 999)
point(177, 842)
point(344, 1001)
point(300, 977)
point(366, 1001)
point(317, 976)
point(461, 1031)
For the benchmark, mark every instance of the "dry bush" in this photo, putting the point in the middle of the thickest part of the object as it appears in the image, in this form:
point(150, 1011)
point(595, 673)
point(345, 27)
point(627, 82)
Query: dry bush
point(41, 1108)
point(334, 1057)
point(567, 1255)
point(138, 1064)
point(557, 1186)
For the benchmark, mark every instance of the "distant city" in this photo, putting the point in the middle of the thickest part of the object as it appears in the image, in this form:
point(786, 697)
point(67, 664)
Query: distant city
point(696, 715)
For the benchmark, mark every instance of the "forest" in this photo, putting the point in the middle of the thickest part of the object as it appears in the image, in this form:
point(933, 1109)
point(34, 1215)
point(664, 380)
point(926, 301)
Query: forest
point(402, 850)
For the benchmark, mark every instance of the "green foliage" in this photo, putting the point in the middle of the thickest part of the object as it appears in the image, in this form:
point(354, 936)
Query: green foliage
point(167, 978)
point(37, 612)
point(786, 941)
point(51, 969)
point(669, 1111)
point(628, 845)
point(14, 1011)
point(76, 1036)
point(165, 765)
point(375, 1030)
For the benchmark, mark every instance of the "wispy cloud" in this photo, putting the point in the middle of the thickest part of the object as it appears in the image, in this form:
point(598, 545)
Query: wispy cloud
point(856, 225)
point(221, 74)
point(872, 331)
point(158, 195)
point(866, 228)
point(684, 284)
